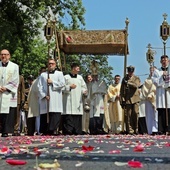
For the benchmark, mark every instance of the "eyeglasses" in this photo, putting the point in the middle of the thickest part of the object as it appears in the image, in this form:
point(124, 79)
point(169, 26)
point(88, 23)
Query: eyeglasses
point(4, 54)
point(51, 63)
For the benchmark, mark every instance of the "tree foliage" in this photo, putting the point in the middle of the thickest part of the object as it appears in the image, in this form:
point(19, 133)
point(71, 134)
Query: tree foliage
point(22, 24)
point(104, 70)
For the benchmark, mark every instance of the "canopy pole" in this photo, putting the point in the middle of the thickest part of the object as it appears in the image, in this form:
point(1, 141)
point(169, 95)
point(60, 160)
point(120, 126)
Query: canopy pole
point(125, 65)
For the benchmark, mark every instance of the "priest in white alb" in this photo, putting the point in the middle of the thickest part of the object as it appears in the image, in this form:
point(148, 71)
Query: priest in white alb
point(9, 80)
point(50, 87)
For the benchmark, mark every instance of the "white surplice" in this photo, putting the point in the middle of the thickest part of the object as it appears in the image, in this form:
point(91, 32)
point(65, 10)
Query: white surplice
point(99, 89)
point(33, 100)
point(72, 99)
point(158, 80)
point(55, 92)
point(9, 78)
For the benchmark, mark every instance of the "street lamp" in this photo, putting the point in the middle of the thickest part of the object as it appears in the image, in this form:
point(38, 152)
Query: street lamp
point(150, 55)
point(164, 31)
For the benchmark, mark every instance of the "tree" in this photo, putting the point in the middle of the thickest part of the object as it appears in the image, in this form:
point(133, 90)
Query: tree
point(31, 62)
point(104, 70)
point(22, 23)
point(21, 20)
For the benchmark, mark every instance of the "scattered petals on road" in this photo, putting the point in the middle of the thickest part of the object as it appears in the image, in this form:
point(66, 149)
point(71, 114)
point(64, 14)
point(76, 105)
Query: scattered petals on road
point(117, 148)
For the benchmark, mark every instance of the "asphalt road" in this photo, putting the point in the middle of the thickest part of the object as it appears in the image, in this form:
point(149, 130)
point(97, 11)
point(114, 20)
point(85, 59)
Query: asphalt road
point(87, 152)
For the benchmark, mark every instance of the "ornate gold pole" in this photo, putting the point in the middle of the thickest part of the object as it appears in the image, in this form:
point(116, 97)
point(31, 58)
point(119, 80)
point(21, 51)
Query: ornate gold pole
point(125, 65)
point(126, 45)
point(165, 33)
point(48, 33)
point(58, 59)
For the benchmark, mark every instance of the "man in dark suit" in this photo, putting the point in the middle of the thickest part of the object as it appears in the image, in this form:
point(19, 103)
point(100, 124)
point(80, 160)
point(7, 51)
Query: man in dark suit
point(129, 98)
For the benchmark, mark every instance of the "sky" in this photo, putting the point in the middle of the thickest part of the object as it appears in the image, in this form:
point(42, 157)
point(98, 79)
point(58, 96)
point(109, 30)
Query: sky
point(145, 18)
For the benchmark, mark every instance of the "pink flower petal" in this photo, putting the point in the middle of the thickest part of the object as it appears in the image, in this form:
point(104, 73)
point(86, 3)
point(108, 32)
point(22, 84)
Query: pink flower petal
point(167, 144)
point(115, 151)
point(138, 148)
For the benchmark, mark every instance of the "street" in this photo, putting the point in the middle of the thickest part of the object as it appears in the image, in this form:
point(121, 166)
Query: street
point(86, 152)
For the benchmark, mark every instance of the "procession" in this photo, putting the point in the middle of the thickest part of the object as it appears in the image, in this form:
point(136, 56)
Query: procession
point(88, 117)
point(55, 104)
point(76, 97)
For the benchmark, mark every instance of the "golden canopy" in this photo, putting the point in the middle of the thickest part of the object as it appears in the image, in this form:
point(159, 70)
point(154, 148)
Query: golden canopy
point(102, 42)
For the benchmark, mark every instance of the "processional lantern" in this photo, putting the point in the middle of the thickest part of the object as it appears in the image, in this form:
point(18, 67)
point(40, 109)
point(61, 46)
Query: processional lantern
point(150, 55)
point(48, 33)
point(49, 29)
point(164, 29)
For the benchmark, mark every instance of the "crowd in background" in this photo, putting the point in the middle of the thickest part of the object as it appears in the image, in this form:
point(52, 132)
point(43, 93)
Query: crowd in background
point(57, 104)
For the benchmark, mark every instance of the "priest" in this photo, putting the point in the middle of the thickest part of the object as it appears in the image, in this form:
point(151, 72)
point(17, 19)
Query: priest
point(50, 87)
point(9, 80)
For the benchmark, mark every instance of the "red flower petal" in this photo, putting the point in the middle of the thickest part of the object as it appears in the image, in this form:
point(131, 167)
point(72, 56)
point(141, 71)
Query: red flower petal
point(35, 149)
point(86, 141)
point(15, 162)
point(108, 136)
point(135, 164)
point(149, 144)
point(4, 149)
point(139, 148)
point(167, 144)
point(89, 148)
point(38, 153)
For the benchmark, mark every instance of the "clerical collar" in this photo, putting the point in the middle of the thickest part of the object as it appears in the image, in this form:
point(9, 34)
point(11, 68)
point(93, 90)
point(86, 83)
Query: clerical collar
point(164, 69)
point(52, 71)
point(73, 75)
point(140, 86)
point(4, 64)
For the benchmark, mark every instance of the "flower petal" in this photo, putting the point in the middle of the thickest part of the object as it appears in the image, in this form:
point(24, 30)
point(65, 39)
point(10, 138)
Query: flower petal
point(15, 162)
point(135, 164)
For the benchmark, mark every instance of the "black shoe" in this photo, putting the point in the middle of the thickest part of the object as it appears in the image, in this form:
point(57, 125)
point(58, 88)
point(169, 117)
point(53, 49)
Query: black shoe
point(101, 132)
point(154, 133)
point(122, 133)
point(161, 133)
point(16, 134)
point(85, 133)
point(130, 133)
point(137, 133)
point(30, 134)
point(52, 133)
point(93, 132)
point(4, 135)
point(68, 132)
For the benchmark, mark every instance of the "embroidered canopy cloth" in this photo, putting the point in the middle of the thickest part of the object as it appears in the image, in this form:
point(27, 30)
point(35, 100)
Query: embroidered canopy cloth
point(101, 42)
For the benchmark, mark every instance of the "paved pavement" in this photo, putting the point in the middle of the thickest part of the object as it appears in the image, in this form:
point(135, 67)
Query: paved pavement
point(87, 152)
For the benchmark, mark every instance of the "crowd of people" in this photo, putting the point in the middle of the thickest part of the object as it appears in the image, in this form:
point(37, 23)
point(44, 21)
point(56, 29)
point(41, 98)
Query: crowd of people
point(55, 104)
